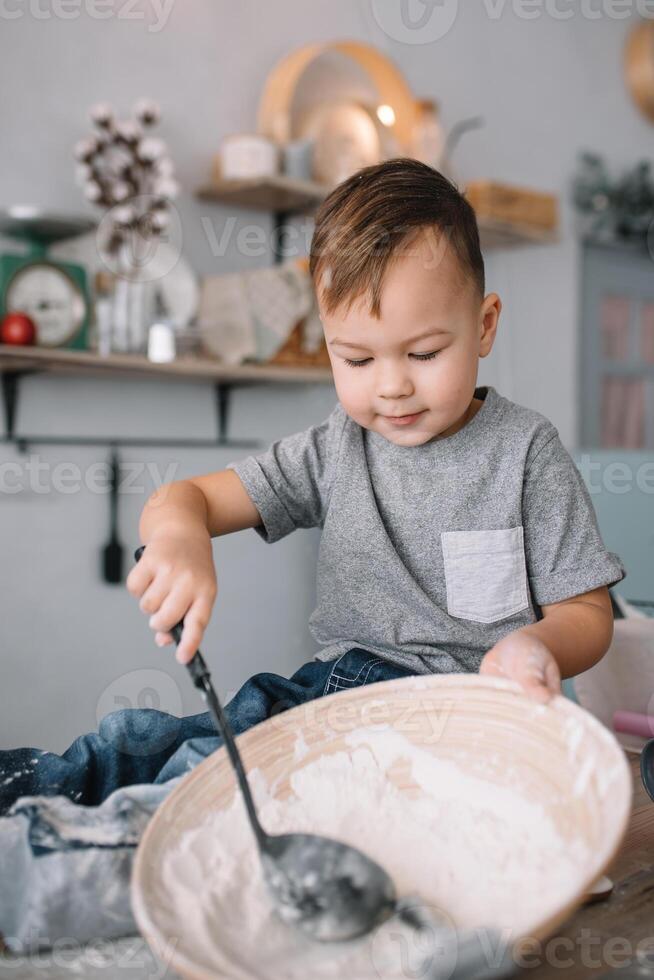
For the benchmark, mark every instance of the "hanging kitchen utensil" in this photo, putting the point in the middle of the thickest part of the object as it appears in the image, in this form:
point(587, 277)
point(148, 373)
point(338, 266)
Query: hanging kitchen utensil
point(112, 554)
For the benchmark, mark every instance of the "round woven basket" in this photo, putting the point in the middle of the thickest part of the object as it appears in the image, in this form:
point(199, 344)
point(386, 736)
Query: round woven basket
point(559, 756)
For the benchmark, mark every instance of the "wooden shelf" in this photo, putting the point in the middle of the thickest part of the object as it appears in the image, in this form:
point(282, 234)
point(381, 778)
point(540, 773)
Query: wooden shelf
point(276, 193)
point(15, 360)
point(500, 234)
point(286, 194)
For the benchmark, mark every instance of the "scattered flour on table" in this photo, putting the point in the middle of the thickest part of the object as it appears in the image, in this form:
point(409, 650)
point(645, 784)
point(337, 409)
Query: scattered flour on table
point(479, 854)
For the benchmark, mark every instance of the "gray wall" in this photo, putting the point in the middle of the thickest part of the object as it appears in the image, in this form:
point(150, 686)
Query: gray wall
point(547, 88)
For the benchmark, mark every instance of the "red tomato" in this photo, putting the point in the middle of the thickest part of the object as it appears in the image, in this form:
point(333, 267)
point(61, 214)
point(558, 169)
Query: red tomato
point(17, 328)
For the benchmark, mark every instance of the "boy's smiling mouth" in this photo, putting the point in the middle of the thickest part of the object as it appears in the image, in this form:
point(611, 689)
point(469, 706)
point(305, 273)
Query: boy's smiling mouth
point(403, 419)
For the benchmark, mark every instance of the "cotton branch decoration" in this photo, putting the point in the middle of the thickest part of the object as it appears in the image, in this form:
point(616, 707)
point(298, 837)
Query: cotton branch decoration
point(128, 172)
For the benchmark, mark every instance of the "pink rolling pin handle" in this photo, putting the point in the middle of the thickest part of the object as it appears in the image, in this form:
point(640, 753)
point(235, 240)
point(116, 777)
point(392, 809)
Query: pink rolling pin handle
point(632, 723)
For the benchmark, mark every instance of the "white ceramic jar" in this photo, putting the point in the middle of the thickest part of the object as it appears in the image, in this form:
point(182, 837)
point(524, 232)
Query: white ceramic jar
point(248, 155)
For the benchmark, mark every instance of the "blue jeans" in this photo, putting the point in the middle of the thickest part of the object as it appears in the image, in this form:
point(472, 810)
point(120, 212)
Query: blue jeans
point(141, 745)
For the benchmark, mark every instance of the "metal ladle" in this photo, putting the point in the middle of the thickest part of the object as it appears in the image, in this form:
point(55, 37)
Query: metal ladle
point(331, 891)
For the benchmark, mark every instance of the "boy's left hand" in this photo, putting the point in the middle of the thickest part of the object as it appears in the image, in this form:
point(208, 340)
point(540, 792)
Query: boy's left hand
point(528, 661)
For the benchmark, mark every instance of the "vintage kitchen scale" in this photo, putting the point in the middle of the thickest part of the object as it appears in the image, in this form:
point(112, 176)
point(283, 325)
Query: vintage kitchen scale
point(54, 293)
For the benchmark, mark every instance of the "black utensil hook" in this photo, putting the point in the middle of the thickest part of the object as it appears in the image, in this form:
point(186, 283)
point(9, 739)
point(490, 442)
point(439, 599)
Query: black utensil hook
point(10, 385)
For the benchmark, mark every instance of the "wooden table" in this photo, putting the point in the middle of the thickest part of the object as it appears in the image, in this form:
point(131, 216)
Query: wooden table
point(608, 933)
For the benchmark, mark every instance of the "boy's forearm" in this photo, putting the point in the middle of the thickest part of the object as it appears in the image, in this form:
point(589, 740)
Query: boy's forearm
point(577, 633)
point(174, 505)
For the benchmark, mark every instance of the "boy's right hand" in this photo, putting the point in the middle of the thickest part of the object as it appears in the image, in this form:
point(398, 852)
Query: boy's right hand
point(176, 579)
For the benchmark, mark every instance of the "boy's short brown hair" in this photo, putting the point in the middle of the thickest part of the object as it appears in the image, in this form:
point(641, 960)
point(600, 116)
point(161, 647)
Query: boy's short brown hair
point(367, 219)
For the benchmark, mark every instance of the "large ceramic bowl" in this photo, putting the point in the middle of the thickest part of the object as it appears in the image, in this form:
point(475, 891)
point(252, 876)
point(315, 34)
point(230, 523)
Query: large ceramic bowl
point(559, 757)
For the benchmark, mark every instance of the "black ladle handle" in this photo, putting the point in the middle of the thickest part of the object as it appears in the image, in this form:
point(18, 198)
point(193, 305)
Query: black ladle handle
point(201, 677)
point(647, 767)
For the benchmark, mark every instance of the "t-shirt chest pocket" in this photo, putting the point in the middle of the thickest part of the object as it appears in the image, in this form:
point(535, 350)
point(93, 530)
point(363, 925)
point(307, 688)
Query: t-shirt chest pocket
point(485, 573)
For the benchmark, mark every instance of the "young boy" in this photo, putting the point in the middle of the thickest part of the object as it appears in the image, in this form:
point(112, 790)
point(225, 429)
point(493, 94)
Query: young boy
point(457, 534)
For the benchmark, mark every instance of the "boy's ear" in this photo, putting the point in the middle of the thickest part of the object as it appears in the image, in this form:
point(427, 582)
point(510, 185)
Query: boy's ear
point(489, 315)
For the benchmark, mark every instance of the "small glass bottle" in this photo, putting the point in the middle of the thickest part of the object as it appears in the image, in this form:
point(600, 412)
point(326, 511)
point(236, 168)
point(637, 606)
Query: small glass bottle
point(161, 334)
point(103, 313)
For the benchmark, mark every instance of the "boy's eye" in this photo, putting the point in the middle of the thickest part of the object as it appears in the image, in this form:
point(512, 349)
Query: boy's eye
point(364, 360)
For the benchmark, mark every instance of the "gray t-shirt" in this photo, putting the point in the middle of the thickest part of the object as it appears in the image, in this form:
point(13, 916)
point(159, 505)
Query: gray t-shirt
point(430, 554)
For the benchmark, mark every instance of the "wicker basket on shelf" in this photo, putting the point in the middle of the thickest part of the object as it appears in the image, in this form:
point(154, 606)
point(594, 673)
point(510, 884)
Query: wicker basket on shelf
point(292, 352)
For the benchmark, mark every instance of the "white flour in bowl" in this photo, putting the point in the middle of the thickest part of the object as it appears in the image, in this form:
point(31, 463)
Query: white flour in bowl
point(478, 854)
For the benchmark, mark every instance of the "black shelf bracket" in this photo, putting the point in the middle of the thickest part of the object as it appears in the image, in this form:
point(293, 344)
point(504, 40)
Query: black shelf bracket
point(223, 395)
point(10, 390)
point(280, 220)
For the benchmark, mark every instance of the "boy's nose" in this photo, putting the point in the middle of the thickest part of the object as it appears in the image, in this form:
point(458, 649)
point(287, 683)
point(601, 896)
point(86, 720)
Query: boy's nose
point(393, 381)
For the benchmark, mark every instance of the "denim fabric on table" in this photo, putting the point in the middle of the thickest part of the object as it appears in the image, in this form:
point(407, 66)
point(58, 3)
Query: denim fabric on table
point(142, 745)
point(72, 822)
